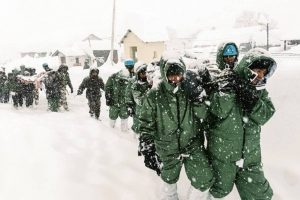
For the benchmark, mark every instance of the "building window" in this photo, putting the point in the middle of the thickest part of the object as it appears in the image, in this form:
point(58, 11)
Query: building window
point(154, 54)
point(63, 60)
point(133, 53)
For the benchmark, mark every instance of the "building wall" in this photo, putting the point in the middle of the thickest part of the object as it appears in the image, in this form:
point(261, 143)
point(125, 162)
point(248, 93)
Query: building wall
point(71, 60)
point(146, 51)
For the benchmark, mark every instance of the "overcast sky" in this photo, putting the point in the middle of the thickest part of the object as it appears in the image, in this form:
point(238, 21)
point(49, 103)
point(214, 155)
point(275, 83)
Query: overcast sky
point(39, 24)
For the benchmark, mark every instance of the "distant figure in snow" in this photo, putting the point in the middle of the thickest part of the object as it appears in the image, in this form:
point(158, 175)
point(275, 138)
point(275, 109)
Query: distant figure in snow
point(93, 83)
point(52, 82)
point(115, 89)
point(239, 107)
point(27, 85)
point(64, 75)
point(3, 79)
point(15, 88)
point(86, 64)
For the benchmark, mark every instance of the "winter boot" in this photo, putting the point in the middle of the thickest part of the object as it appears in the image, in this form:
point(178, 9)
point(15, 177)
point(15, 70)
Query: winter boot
point(195, 194)
point(169, 191)
point(112, 123)
point(124, 125)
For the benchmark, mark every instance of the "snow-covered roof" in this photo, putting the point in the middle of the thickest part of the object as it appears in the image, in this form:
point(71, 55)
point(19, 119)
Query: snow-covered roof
point(71, 51)
point(104, 44)
point(148, 27)
point(149, 34)
point(91, 37)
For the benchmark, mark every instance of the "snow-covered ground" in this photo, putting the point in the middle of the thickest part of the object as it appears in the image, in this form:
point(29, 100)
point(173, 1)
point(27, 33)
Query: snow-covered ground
point(70, 156)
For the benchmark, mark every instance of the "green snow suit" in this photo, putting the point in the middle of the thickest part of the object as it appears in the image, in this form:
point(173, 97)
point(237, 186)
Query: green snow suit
point(93, 92)
point(235, 134)
point(115, 89)
point(135, 93)
point(168, 118)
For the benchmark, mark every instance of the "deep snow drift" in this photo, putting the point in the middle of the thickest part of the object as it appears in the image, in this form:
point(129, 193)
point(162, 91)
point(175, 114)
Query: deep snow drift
point(71, 156)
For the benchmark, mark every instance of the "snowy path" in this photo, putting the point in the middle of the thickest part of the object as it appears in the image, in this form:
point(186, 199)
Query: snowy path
point(70, 156)
point(67, 155)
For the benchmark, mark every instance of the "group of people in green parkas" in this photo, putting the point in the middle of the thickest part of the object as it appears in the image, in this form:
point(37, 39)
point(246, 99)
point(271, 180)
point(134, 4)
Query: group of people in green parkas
point(210, 124)
point(24, 84)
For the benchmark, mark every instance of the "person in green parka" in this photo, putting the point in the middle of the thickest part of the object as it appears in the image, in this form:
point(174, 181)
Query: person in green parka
point(66, 81)
point(15, 88)
point(53, 82)
point(115, 89)
point(169, 137)
point(3, 79)
point(136, 92)
point(238, 109)
point(227, 55)
point(93, 85)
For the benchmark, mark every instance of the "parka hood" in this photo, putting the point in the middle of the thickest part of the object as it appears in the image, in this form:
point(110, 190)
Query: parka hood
point(167, 62)
point(62, 67)
point(94, 70)
point(249, 58)
point(123, 74)
point(139, 66)
point(220, 62)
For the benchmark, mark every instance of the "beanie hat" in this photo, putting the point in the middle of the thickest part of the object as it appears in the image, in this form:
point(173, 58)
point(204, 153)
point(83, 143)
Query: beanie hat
point(46, 67)
point(129, 63)
point(230, 50)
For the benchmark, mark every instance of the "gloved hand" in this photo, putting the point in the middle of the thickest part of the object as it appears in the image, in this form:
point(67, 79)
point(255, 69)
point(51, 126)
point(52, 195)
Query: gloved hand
point(79, 92)
point(108, 102)
point(71, 90)
point(194, 87)
point(246, 93)
point(151, 158)
point(227, 81)
point(130, 110)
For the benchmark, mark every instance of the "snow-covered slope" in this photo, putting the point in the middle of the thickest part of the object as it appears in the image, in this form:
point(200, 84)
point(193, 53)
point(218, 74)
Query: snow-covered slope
point(70, 156)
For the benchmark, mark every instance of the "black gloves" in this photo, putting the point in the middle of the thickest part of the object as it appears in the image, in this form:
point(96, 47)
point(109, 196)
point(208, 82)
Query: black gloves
point(79, 92)
point(71, 90)
point(246, 93)
point(193, 86)
point(130, 110)
point(151, 159)
point(108, 102)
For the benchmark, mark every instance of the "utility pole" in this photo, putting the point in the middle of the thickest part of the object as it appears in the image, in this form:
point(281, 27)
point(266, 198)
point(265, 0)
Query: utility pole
point(267, 36)
point(264, 21)
point(113, 33)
